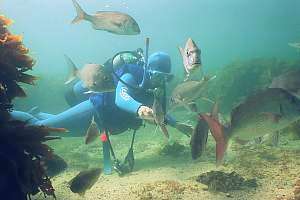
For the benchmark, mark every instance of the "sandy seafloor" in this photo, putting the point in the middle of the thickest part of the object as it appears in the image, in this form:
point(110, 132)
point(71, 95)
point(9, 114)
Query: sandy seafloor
point(165, 177)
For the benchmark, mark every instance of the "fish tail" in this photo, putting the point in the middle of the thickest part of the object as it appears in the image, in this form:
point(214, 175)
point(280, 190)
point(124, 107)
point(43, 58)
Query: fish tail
point(80, 13)
point(215, 111)
point(73, 69)
point(218, 132)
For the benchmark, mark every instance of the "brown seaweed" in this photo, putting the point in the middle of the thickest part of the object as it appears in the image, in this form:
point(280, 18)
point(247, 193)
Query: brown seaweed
point(22, 148)
point(14, 61)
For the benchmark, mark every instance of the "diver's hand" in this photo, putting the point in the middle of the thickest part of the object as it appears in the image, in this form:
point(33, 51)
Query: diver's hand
point(146, 113)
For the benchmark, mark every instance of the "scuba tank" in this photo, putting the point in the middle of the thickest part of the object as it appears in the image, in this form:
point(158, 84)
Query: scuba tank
point(130, 57)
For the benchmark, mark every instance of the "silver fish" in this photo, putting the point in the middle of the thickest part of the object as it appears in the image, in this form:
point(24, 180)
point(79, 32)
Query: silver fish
point(110, 21)
point(187, 92)
point(289, 81)
point(265, 112)
point(94, 76)
point(191, 56)
point(295, 45)
point(92, 132)
point(159, 115)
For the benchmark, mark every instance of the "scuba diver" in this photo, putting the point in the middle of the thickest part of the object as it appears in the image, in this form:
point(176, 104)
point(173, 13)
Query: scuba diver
point(135, 77)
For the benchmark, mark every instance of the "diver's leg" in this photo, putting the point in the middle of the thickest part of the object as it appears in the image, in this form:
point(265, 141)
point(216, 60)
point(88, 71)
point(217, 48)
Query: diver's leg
point(42, 115)
point(76, 94)
point(23, 116)
point(75, 119)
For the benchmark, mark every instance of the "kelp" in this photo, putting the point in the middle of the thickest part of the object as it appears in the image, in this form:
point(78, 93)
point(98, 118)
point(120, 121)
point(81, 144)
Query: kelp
point(22, 149)
point(14, 62)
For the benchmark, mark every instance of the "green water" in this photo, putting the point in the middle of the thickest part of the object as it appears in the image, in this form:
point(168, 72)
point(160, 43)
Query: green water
point(225, 31)
point(241, 41)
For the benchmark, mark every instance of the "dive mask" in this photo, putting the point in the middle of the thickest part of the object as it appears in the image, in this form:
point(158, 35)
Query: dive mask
point(157, 77)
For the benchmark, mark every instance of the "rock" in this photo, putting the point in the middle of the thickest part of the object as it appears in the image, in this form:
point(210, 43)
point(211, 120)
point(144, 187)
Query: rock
point(224, 182)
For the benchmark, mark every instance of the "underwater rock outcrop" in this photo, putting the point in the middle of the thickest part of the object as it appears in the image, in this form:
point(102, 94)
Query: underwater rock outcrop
point(22, 148)
point(224, 182)
point(239, 79)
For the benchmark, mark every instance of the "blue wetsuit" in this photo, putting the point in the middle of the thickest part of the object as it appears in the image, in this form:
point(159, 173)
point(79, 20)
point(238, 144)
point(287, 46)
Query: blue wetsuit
point(115, 111)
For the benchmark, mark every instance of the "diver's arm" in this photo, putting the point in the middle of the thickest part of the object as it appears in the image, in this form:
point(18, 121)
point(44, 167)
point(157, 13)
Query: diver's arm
point(124, 99)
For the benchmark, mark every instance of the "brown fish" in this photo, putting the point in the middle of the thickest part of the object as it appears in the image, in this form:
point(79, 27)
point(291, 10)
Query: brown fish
point(191, 56)
point(95, 77)
point(84, 180)
point(289, 81)
point(265, 112)
point(110, 21)
point(199, 138)
point(92, 132)
point(55, 165)
point(159, 115)
point(200, 133)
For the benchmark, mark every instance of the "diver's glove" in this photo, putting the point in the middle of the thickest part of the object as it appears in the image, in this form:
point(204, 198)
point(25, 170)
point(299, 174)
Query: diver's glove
point(184, 128)
point(145, 113)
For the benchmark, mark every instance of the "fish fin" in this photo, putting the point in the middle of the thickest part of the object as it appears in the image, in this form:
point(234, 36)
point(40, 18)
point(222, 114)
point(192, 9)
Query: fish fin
point(155, 129)
point(215, 111)
point(53, 129)
point(118, 24)
point(186, 106)
point(73, 68)
point(297, 93)
point(218, 132)
point(275, 117)
point(164, 130)
point(80, 13)
point(240, 141)
point(81, 194)
point(275, 139)
point(193, 107)
point(181, 51)
point(207, 99)
point(258, 140)
point(19, 91)
point(281, 110)
point(187, 76)
point(185, 128)
point(27, 78)
point(91, 132)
